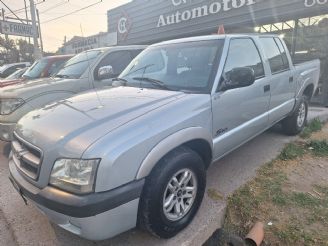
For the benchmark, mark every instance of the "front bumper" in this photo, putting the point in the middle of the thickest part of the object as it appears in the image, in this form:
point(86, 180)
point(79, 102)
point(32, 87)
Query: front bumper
point(6, 131)
point(96, 216)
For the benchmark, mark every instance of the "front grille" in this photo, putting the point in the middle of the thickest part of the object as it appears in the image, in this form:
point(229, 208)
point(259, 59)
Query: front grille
point(27, 157)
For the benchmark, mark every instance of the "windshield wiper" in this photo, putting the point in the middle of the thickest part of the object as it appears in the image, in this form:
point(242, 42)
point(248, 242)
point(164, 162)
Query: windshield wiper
point(119, 80)
point(155, 82)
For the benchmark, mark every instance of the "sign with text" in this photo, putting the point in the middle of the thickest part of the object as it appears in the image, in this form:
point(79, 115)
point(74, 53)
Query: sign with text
point(16, 29)
point(158, 20)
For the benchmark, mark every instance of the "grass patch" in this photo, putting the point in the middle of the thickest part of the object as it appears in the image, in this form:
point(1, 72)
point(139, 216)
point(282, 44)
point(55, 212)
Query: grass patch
point(319, 148)
point(305, 200)
point(299, 218)
point(314, 126)
point(291, 151)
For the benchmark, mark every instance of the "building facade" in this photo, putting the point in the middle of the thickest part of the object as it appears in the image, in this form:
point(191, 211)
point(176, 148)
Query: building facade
point(303, 23)
point(78, 44)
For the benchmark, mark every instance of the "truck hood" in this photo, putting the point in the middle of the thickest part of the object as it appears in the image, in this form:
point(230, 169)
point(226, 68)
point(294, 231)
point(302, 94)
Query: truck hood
point(73, 124)
point(4, 83)
point(28, 88)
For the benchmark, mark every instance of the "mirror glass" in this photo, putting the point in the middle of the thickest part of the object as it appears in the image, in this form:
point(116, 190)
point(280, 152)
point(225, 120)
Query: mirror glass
point(105, 72)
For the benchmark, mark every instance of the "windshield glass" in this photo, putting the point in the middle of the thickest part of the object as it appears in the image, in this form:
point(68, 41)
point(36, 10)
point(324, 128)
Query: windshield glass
point(17, 74)
point(36, 70)
point(3, 68)
point(77, 65)
point(183, 66)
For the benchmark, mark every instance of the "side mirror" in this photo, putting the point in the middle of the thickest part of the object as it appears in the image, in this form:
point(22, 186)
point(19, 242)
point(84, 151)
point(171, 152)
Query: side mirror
point(105, 72)
point(238, 78)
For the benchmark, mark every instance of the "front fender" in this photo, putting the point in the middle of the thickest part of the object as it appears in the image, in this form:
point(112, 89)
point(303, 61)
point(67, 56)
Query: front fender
point(168, 144)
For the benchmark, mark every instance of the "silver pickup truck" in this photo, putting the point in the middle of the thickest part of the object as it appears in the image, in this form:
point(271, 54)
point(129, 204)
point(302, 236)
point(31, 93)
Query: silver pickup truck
point(100, 163)
point(85, 71)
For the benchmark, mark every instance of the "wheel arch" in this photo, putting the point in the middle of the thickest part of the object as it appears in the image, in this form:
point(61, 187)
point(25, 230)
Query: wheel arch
point(309, 91)
point(196, 138)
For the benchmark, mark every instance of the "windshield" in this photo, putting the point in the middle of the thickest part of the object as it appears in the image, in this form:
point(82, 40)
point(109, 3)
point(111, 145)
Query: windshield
point(17, 74)
point(36, 70)
point(77, 65)
point(183, 66)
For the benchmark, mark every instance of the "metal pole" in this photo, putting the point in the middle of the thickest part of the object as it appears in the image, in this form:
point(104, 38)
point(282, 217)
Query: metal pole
point(29, 39)
point(37, 52)
point(39, 25)
point(295, 33)
point(3, 18)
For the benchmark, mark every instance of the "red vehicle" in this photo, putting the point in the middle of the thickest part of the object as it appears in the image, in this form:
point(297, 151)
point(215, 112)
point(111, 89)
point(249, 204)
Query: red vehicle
point(43, 68)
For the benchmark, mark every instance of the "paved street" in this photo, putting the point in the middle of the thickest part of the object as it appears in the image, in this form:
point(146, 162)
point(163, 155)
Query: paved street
point(24, 225)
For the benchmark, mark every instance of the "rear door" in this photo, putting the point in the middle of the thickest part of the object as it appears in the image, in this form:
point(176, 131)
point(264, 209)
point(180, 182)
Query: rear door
point(281, 79)
point(241, 113)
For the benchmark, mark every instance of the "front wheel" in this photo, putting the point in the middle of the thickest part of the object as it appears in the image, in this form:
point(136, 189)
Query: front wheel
point(295, 123)
point(173, 193)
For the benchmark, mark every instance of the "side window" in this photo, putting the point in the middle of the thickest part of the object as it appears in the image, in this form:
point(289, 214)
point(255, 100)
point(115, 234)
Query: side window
point(272, 52)
point(55, 67)
point(283, 53)
point(243, 53)
point(134, 53)
point(118, 60)
point(11, 70)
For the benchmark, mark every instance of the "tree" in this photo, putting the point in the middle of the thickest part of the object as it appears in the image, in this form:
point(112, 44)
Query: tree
point(12, 51)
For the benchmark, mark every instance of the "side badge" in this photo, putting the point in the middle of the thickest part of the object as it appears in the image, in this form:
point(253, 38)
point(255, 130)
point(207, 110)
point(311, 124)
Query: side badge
point(221, 131)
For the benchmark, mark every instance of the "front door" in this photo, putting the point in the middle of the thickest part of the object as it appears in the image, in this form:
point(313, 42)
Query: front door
point(241, 113)
point(119, 60)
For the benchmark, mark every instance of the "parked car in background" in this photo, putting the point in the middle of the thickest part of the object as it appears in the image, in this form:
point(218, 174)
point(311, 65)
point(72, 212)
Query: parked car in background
point(98, 164)
point(46, 67)
point(43, 68)
point(15, 76)
point(87, 70)
point(8, 69)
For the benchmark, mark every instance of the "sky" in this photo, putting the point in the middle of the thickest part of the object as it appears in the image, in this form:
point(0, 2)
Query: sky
point(92, 20)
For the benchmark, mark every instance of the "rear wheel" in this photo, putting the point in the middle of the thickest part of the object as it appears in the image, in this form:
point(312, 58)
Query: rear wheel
point(296, 122)
point(173, 193)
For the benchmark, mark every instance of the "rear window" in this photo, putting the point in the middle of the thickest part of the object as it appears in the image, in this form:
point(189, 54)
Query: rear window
point(273, 54)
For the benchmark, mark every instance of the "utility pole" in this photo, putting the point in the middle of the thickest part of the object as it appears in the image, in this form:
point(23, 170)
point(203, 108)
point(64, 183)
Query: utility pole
point(37, 52)
point(3, 18)
point(29, 39)
point(41, 42)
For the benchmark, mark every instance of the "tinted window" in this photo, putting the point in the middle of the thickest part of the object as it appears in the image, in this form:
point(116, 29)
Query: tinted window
point(135, 53)
point(283, 53)
point(243, 53)
point(273, 54)
point(55, 67)
point(118, 60)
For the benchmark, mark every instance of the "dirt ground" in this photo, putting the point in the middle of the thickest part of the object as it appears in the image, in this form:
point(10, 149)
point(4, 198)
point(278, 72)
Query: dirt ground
point(289, 194)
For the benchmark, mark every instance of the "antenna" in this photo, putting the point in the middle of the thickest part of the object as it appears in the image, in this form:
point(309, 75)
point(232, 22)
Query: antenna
point(89, 68)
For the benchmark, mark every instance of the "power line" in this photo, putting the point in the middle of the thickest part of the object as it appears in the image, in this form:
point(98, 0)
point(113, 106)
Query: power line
point(17, 11)
point(75, 11)
point(11, 11)
point(54, 6)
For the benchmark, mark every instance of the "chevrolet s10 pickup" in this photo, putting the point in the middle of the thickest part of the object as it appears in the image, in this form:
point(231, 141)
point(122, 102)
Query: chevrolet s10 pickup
point(103, 162)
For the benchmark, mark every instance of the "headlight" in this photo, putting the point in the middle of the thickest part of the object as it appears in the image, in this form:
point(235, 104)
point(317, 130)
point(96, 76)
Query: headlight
point(74, 175)
point(9, 105)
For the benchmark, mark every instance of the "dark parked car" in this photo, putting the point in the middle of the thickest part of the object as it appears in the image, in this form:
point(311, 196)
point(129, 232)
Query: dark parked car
point(9, 69)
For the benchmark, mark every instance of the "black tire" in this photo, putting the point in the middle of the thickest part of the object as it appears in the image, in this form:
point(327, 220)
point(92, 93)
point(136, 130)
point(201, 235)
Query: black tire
point(290, 125)
point(151, 212)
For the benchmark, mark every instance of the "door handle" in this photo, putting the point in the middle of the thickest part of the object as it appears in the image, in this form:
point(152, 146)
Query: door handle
point(291, 79)
point(267, 88)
